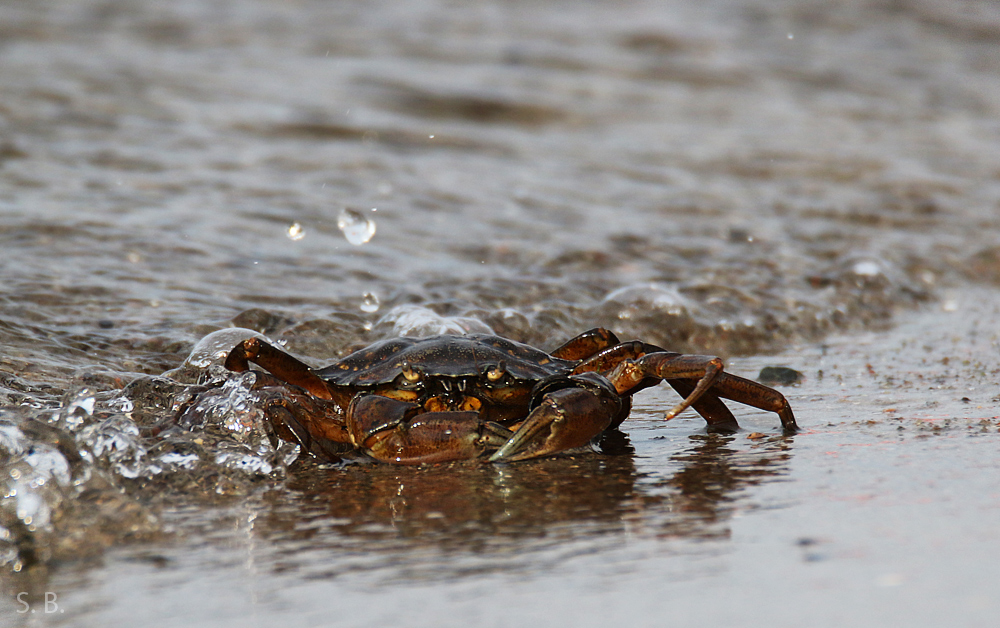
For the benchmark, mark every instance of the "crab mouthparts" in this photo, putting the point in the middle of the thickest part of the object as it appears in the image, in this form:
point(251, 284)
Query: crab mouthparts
point(452, 403)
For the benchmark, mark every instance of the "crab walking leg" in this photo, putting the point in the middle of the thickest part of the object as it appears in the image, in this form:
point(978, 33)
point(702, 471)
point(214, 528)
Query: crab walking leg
point(279, 363)
point(586, 345)
point(403, 433)
point(289, 423)
point(564, 419)
point(705, 369)
point(756, 395)
point(295, 416)
point(610, 357)
point(709, 406)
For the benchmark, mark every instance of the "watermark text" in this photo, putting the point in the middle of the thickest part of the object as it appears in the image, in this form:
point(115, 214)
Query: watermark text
point(47, 605)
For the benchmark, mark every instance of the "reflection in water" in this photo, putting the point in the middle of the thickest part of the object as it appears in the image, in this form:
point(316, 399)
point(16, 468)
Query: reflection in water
point(444, 520)
point(714, 475)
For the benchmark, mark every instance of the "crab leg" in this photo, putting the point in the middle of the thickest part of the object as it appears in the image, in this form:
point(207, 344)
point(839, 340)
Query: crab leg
point(670, 366)
point(402, 432)
point(279, 363)
point(709, 384)
point(709, 406)
point(586, 344)
point(288, 422)
point(294, 415)
point(755, 395)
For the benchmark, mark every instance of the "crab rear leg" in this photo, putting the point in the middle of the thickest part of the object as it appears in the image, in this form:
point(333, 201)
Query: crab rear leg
point(565, 418)
point(756, 395)
point(403, 433)
point(586, 344)
point(278, 363)
point(629, 374)
point(709, 406)
point(710, 383)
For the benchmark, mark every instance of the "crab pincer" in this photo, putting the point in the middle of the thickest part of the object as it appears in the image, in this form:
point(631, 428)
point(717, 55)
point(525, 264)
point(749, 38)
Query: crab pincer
point(565, 417)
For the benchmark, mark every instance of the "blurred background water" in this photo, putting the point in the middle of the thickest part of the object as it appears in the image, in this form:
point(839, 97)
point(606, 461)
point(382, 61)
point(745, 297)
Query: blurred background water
point(736, 177)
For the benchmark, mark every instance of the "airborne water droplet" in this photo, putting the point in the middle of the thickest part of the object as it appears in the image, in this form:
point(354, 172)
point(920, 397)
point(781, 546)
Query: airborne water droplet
point(369, 302)
point(355, 226)
point(296, 232)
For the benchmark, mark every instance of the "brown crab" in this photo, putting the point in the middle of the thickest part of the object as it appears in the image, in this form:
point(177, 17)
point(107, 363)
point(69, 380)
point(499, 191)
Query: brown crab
point(411, 401)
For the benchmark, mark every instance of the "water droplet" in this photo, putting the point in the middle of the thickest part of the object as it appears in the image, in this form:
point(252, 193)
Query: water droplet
point(357, 228)
point(296, 232)
point(369, 302)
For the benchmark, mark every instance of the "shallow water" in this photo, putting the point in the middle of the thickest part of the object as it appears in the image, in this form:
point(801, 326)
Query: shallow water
point(808, 184)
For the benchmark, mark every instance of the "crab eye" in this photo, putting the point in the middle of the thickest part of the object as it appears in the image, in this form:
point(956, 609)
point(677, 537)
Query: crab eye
point(496, 373)
point(411, 374)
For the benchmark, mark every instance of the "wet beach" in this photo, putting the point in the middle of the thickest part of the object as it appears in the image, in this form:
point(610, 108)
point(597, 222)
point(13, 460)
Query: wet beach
point(809, 185)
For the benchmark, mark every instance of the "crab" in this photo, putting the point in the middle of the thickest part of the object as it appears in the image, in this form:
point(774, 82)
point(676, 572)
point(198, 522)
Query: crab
point(426, 400)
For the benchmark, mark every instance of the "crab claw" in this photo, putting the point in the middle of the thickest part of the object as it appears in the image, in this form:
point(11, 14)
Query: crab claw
point(566, 418)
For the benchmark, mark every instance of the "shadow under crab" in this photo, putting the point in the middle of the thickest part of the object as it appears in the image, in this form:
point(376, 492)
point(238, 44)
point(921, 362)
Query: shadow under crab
point(412, 401)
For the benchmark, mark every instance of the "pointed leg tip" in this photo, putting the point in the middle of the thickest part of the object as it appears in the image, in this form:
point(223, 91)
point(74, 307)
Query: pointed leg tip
point(673, 412)
point(788, 422)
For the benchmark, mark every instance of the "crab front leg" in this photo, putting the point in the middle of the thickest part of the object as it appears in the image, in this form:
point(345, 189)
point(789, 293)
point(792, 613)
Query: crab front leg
point(402, 432)
point(570, 412)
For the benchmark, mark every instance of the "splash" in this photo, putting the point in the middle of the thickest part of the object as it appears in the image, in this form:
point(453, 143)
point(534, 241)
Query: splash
point(414, 320)
point(213, 348)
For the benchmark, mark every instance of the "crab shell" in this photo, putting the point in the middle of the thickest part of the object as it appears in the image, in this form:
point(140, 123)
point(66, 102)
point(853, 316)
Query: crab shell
point(494, 376)
point(475, 355)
